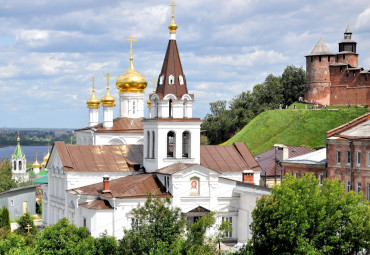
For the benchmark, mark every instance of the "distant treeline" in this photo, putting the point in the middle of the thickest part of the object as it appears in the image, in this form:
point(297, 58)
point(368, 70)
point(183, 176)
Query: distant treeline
point(39, 139)
point(226, 119)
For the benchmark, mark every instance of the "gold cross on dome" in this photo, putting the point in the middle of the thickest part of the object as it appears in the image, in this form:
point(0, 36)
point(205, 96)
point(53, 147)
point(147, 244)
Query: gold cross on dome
point(154, 80)
point(107, 76)
point(131, 39)
point(173, 4)
point(93, 80)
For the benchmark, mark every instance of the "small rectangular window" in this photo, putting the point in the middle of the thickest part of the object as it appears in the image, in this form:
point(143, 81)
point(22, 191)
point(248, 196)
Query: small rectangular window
point(319, 58)
point(358, 158)
point(368, 159)
point(321, 179)
point(338, 157)
point(328, 58)
point(344, 56)
point(348, 186)
point(311, 59)
point(368, 191)
point(296, 175)
point(359, 187)
point(84, 222)
point(12, 202)
point(348, 157)
point(230, 219)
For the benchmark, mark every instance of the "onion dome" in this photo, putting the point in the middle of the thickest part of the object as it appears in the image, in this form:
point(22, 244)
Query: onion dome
point(36, 164)
point(43, 164)
point(173, 26)
point(108, 99)
point(93, 101)
point(18, 153)
point(131, 80)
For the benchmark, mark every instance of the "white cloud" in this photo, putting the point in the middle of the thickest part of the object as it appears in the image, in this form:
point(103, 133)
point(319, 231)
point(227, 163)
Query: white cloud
point(33, 37)
point(8, 71)
point(363, 20)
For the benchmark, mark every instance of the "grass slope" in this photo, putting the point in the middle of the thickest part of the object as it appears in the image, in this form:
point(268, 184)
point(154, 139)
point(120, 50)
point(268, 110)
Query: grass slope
point(292, 127)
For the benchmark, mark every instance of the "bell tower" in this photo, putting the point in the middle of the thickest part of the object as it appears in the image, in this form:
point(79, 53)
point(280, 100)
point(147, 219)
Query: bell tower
point(171, 134)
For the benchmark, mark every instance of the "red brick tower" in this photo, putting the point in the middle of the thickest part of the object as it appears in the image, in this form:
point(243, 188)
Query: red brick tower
point(318, 75)
point(347, 50)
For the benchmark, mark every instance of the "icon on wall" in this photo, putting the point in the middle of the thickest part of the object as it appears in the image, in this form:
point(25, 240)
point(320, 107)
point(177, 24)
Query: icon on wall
point(194, 186)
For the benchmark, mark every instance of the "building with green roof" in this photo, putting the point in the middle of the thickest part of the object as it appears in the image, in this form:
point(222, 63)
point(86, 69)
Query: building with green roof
point(18, 159)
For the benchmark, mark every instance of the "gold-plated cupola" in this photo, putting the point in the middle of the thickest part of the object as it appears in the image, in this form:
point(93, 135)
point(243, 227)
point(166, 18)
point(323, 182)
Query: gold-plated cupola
point(93, 101)
point(108, 99)
point(131, 80)
point(173, 26)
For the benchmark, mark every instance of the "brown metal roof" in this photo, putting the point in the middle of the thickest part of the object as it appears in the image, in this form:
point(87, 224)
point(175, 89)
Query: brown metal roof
point(99, 158)
point(120, 125)
point(174, 168)
point(267, 159)
point(227, 158)
point(97, 204)
point(172, 66)
point(131, 186)
point(171, 119)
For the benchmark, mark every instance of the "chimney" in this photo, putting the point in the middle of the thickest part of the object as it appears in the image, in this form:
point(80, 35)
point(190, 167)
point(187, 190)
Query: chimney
point(282, 152)
point(106, 187)
point(251, 177)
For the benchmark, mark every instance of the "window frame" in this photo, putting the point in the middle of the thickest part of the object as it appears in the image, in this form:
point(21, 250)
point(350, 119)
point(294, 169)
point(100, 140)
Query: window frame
point(229, 234)
point(338, 157)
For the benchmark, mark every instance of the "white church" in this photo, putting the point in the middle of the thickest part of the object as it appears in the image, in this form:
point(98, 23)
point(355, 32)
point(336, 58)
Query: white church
point(98, 182)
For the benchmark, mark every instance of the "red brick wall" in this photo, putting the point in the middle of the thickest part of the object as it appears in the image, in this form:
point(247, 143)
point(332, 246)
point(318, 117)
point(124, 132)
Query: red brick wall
point(349, 58)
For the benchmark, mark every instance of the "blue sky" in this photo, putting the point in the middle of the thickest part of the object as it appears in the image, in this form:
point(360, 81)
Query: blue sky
point(49, 50)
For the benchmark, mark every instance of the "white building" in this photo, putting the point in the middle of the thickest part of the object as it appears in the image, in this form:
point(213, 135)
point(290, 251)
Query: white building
point(18, 160)
point(97, 186)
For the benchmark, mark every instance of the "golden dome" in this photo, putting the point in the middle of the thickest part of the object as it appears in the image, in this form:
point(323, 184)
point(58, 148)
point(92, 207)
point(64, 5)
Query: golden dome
point(131, 81)
point(108, 99)
point(93, 101)
point(36, 164)
point(43, 164)
point(172, 26)
point(46, 157)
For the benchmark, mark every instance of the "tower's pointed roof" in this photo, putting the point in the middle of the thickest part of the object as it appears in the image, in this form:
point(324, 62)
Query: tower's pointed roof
point(18, 153)
point(348, 30)
point(172, 78)
point(320, 49)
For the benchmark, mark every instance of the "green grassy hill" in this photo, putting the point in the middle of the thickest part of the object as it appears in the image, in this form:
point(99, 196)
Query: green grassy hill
point(292, 127)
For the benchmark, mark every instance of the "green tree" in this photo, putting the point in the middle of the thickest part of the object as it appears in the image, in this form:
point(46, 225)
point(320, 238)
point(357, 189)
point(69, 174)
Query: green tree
point(155, 223)
point(24, 222)
point(62, 238)
point(6, 181)
point(14, 244)
point(302, 217)
point(5, 219)
point(293, 80)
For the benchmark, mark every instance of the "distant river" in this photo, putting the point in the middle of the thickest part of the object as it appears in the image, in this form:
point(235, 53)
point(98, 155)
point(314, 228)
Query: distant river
point(29, 151)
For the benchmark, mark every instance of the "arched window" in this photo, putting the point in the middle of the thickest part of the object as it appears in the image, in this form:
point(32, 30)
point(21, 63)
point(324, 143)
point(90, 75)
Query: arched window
point(15, 165)
point(181, 80)
point(170, 104)
point(148, 147)
point(186, 144)
point(153, 144)
point(156, 106)
point(134, 107)
point(171, 80)
point(171, 144)
point(161, 80)
point(20, 165)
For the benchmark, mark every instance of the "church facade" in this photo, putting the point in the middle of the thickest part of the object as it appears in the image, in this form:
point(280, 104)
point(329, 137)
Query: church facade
point(336, 79)
point(97, 182)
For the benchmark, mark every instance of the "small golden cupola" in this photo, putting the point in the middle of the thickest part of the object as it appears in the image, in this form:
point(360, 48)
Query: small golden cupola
point(108, 99)
point(131, 80)
point(36, 164)
point(93, 101)
point(173, 26)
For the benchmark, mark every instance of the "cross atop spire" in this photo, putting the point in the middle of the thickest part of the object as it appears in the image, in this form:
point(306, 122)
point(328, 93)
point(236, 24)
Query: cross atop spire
point(131, 39)
point(108, 76)
point(172, 26)
point(173, 4)
point(93, 80)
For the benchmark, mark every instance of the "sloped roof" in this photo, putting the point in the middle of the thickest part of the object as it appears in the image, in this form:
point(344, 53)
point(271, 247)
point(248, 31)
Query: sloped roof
point(41, 180)
point(349, 125)
point(120, 125)
point(267, 159)
point(99, 158)
point(320, 49)
point(314, 158)
point(97, 204)
point(174, 168)
point(171, 66)
point(228, 158)
point(18, 153)
point(132, 186)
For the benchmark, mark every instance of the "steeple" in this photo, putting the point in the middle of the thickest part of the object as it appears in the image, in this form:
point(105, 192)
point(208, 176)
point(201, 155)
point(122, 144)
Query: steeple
point(347, 44)
point(320, 49)
point(172, 78)
point(19, 163)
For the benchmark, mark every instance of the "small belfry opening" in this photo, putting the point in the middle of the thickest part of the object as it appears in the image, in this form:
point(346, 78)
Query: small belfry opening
point(186, 145)
point(170, 104)
point(171, 144)
point(153, 144)
point(148, 147)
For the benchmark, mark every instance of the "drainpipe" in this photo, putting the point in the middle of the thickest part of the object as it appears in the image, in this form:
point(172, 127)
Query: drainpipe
point(114, 220)
point(351, 163)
